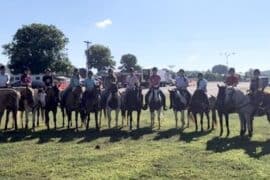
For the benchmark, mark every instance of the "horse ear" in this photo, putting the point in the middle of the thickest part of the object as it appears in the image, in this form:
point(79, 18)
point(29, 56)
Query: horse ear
point(218, 85)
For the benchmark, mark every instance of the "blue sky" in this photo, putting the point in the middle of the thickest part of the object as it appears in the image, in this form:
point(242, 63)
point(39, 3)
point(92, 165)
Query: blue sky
point(190, 34)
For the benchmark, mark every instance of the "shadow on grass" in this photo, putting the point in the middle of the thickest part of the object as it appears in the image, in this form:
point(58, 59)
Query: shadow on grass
point(168, 133)
point(68, 135)
point(220, 145)
point(188, 137)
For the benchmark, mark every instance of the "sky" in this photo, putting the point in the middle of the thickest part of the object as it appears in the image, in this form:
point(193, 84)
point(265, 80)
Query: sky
point(189, 34)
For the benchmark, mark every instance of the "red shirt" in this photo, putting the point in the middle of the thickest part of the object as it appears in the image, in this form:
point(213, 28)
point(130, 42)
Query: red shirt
point(231, 81)
point(154, 80)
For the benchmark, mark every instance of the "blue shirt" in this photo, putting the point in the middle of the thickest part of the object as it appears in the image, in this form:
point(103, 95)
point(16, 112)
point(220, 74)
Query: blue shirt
point(202, 85)
point(74, 82)
point(89, 84)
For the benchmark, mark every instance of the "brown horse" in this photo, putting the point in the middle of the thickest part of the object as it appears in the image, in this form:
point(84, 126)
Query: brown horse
point(9, 99)
point(199, 105)
point(52, 99)
point(73, 103)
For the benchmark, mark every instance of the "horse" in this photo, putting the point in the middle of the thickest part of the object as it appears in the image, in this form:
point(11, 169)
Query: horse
point(180, 100)
point(9, 99)
point(133, 101)
point(155, 105)
point(199, 104)
point(113, 103)
point(72, 103)
point(222, 109)
point(52, 99)
point(29, 103)
point(241, 103)
point(91, 104)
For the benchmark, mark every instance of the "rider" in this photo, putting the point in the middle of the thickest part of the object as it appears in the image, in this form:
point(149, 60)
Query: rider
point(108, 82)
point(182, 83)
point(132, 81)
point(255, 81)
point(4, 78)
point(232, 79)
point(48, 78)
point(154, 82)
point(89, 85)
point(202, 85)
point(74, 83)
point(26, 79)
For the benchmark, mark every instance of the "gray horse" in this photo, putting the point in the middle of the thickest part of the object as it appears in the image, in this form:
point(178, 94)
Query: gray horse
point(236, 99)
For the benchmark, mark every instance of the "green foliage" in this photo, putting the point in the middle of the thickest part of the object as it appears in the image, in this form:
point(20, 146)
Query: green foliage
point(37, 46)
point(99, 57)
point(127, 61)
point(220, 69)
point(62, 67)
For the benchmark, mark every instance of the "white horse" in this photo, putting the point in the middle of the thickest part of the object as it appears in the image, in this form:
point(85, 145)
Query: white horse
point(32, 99)
point(236, 99)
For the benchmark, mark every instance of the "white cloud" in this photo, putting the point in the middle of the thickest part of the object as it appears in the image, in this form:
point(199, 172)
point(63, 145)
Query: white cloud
point(103, 24)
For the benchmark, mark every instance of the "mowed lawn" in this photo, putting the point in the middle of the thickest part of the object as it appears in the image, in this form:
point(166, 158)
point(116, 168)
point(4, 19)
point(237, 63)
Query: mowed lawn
point(168, 153)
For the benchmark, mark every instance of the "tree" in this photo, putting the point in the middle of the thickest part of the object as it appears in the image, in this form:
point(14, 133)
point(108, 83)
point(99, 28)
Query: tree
point(99, 57)
point(127, 61)
point(63, 67)
point(37, 46)
point(220, 69)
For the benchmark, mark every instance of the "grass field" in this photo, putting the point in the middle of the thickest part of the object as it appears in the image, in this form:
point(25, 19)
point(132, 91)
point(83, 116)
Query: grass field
point(168, 153)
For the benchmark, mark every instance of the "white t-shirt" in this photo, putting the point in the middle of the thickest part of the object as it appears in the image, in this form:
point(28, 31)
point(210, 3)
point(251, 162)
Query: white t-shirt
point(4, 79)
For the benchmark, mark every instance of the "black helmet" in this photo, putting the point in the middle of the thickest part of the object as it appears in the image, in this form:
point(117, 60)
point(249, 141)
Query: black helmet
point(26, 68)
point(154, 69)
point(231, 70)
point(200, 74)
point(2, 67)
point(90, 73)
point(257, 71)
point(181, 71)
point(48, 70)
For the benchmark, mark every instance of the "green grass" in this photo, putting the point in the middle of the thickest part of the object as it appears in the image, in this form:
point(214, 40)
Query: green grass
point(168, 153)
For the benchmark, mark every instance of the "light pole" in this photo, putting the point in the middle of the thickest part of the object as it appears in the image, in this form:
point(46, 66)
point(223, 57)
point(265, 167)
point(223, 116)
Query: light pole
point(227, 55)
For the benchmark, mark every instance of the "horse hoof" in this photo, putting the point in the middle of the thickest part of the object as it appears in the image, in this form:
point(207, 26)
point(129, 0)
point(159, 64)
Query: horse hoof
point(250, 134)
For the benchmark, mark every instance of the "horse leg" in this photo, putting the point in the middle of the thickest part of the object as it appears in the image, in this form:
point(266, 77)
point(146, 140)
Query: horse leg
point(96, 119)
point(158, 115)
point(195, 119)
point(109, 117)
point(22, 119)
point(7, 118)
point(130, 119)
point(116, 117)
point(38, 115)
point(54, 117)
point(47, 119)
point(227, 124)
point(76, 119)
point(68, 117)
point(183, 118)
point(14, 114)
point(63, 116)
point(176, 118)
point(249, 122)
point(138, 118)
point(33, 119)
point(242, 125)
point(152, 117)
point(189, 116)
point(220, 122)
point(26, 119)
point(201, 122)
point(208, 120)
